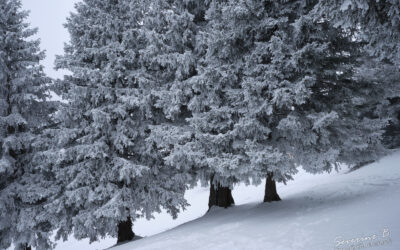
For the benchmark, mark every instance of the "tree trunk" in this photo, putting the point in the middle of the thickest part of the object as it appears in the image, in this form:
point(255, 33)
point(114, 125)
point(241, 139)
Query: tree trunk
point(270, 189)
point(27, 247)
point(125, 232)
point(219, 196)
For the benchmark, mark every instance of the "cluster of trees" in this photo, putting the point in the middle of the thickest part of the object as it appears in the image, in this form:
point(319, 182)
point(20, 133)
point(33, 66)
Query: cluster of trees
point(164, 94)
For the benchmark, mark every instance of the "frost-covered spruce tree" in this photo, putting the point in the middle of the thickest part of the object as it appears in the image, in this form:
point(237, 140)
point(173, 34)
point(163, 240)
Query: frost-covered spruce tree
point(24, 112)
point(269, 93)
point(217, 106)
point(109, 172)
point(230, 140)
point(305, 90)
point(278, 89)
point(175, 60)
point(214, 97)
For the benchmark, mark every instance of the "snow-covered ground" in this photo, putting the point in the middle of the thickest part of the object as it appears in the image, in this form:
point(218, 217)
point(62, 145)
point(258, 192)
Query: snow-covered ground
point(316, 212)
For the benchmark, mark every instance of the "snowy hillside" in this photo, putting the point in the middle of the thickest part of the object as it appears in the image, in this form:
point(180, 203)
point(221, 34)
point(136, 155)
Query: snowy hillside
point(317, 212)
point(150, 97)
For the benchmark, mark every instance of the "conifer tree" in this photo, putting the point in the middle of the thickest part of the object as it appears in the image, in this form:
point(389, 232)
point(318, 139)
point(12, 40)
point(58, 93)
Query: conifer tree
point(109, 172)
point(24, 113)
point(217, 103)
point(175, 61)
point(199, 142)
point(279, 89)
point(304, 75)
point(304, 86)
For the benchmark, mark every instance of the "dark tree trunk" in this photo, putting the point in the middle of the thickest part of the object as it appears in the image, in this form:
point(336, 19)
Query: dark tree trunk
point(270, 189)
point(391, 137)
point(27, 247)
point(220, 196)
point(125, 232)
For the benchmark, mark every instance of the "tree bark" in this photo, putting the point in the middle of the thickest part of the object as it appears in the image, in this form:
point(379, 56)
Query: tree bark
point(270, 189)
point(125, 232)
point(27, 247)
point(219, 196)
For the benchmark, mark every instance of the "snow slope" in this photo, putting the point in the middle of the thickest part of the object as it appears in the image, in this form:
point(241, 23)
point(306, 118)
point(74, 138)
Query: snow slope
point(317, 212)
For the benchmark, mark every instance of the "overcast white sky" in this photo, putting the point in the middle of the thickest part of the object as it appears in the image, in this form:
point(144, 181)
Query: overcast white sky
point(49, 16)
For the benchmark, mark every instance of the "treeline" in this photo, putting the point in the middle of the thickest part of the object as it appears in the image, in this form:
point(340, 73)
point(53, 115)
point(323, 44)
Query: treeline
point(166, 94)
